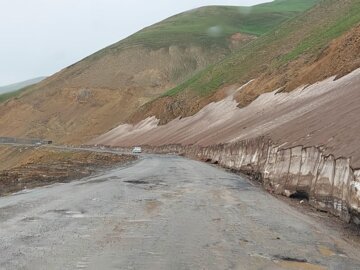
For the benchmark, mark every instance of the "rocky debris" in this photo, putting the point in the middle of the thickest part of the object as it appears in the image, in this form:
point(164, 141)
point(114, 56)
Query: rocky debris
point(329, 183)
point(54, 166)
point(83, 95)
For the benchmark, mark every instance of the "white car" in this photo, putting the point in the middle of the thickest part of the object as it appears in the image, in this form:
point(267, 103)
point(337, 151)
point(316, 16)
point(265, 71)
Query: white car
point(136, 150)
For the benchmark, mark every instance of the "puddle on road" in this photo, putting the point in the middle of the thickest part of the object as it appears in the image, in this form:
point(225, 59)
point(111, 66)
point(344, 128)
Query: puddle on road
point(150, 183)
point(137, 182)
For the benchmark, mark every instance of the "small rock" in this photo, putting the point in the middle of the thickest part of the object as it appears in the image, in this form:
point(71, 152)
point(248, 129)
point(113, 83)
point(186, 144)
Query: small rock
point(287, 193)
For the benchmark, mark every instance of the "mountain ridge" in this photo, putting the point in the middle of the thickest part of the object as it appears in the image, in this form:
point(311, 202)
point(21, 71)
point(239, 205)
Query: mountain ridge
point(17, 86)
point(99, 92)
point(273, 61)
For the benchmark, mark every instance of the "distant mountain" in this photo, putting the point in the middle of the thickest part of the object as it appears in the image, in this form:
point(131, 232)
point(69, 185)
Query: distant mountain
point(17, 86)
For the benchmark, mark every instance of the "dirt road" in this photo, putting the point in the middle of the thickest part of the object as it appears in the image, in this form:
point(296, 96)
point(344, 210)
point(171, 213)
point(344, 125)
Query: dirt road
point(164, 212)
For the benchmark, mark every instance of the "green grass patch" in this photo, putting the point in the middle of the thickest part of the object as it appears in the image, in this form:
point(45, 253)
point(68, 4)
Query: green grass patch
point(323, 35)
point(265, 53)
point(213, 25)
point(14, 94)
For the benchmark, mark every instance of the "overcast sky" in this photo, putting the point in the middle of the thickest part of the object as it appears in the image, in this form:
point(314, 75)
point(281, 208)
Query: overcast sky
point(40, 37)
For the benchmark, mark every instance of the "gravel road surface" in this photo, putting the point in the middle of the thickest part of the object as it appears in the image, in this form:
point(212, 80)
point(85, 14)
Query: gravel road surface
point(164, 212)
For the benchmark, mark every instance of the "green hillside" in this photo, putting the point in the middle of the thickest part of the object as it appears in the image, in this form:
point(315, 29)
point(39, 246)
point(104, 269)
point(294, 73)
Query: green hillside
point(212, 25)
point(13, 90)
point(304, 35)
point(19, 85)
point(208, 27)
point(105, 89)
point(13, 93)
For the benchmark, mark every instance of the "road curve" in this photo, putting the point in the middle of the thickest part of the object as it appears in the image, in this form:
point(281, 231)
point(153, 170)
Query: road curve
point(163, 212)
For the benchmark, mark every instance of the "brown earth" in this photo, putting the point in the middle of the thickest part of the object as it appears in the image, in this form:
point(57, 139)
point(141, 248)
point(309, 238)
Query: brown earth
point(29, 167)
point(263, 65)
point(92, 96)
point(96, 94)
point(339, 58)
point(185, 104)
point(11, 156)
point(103, 90)
point(238, 39)
point(323, 114)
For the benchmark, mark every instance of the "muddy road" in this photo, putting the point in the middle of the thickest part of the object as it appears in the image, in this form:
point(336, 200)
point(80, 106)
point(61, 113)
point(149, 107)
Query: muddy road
point(164, 212)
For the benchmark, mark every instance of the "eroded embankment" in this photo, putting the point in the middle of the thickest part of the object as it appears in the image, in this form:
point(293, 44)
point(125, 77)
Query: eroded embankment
point(324, 114)
point(329, 183)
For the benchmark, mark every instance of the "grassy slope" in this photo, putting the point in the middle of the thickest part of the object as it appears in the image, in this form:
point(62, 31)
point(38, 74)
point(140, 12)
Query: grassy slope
point(14, 90)
point(13, 94)
point(17, 86)
point(195, 26)
point(238, 66)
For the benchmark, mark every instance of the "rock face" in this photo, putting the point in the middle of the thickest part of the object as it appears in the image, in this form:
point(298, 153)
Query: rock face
point(329, 183)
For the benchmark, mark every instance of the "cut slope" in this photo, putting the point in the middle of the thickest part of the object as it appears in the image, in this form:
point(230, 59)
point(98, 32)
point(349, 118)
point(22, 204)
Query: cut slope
point(323, 114)
point(101, 91)
point(294, 54)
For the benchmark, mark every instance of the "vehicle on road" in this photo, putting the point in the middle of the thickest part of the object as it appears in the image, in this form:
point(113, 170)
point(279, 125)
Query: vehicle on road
point(137, 150)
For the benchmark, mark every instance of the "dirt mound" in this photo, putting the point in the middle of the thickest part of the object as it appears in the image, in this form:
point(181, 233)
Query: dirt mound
point(35, 167)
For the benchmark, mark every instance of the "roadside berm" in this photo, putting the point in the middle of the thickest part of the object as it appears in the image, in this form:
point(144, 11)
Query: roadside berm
point(27, 167)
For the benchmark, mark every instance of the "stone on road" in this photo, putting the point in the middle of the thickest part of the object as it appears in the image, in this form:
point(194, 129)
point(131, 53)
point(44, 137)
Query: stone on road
point(163, 212)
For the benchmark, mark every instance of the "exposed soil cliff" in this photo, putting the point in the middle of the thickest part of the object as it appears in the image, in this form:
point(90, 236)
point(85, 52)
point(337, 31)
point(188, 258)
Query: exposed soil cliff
point(329, 183)
point(323, 114)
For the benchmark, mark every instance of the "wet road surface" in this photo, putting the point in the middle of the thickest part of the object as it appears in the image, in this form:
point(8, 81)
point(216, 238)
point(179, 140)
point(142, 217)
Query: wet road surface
point(163, 212)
